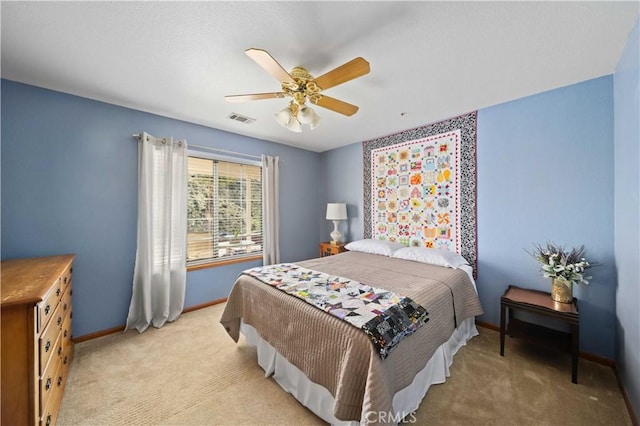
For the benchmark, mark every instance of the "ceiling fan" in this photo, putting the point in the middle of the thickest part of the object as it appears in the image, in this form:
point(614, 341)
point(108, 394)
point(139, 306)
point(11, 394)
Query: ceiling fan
point(302, 87)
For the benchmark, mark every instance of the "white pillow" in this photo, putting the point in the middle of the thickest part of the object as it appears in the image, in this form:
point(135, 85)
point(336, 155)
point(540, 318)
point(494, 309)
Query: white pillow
point(384, 248)
point(432, 256)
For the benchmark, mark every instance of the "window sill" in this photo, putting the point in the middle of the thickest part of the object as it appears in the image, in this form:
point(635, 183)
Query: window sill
point(222, 263)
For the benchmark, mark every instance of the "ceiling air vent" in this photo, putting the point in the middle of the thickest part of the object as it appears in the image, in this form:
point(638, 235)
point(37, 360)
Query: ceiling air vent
point(241, 118)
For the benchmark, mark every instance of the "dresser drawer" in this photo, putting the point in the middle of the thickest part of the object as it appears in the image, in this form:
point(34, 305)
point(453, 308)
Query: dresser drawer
point(49, 339)
point(67, 356)
point(48, 380)
point(66, 330)
point(61, 380)
point(49, 416)
point(66, 278)
point(66, 299)
point(50, 410)
point(49, 304)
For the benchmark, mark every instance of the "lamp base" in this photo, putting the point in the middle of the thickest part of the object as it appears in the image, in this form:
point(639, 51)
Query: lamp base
point(336, 235)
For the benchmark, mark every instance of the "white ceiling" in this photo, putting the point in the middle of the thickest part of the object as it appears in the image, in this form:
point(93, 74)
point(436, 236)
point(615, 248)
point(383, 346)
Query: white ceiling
point(429, 60)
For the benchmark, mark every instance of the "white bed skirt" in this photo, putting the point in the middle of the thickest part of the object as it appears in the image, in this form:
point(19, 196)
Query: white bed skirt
point(320, 401)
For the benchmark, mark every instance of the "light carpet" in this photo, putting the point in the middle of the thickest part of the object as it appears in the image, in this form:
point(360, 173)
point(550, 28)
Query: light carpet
point(190, 372)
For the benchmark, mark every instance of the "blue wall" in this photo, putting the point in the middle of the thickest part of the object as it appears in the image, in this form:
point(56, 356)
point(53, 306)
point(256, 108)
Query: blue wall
point(626, 95)
point(342, 174)
point(545, 173)
point(69, 185)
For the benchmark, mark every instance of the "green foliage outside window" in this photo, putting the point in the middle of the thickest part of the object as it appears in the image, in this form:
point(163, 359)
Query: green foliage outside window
point(223, 210)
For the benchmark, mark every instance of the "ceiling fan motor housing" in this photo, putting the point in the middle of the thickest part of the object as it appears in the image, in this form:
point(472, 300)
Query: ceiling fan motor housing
point(304, 87)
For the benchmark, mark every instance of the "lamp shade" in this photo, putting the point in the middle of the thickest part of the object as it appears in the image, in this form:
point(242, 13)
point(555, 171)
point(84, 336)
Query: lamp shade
point(336, 211)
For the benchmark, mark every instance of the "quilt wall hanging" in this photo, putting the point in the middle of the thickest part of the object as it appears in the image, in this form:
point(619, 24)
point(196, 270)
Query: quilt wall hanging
point(420, 187)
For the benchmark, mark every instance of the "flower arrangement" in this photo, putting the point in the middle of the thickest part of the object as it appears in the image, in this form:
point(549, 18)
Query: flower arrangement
point(558, 263)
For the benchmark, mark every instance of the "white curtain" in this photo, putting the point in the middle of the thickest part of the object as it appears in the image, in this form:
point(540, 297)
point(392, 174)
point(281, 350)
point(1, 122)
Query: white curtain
point(160, 270)
point(270, 214)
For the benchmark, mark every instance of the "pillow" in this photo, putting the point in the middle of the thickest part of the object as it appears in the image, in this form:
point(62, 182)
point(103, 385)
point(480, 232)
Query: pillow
point(432, 256)
point(381, 247)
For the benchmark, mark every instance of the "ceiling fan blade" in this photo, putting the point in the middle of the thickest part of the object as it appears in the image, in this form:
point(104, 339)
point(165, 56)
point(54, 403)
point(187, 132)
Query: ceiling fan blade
point(337, 105)
point(254, 97)
point(266, 61)
point(352, 69)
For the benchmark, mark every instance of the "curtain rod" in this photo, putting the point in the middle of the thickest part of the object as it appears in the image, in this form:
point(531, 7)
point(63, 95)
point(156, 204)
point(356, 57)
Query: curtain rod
point(206, 148)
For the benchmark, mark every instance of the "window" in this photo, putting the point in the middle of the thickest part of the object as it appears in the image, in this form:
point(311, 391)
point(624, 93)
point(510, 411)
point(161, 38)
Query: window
point(224, 210)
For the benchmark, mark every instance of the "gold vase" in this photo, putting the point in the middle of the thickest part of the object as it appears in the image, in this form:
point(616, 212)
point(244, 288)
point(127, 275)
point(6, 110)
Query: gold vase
point(561, 290)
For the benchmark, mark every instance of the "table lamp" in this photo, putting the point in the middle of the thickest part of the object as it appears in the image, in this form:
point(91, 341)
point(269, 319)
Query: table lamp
point(336, 212)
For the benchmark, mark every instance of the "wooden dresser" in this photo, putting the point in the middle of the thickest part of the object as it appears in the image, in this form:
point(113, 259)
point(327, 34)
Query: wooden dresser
point(36, 337)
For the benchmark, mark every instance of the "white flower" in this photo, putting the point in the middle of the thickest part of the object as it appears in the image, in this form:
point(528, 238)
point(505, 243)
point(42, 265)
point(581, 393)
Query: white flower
point(556, 262)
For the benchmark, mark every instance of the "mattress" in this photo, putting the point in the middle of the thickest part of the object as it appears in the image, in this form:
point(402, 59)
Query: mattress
point(340, 358)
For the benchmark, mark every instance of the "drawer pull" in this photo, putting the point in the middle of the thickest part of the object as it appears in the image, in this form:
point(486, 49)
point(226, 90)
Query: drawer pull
point(59, 381)
point(48, 423)
point(65, 279)
point(66, 359)
point(47, 346)
point(59, 350)
point(65, 307)
point(47, 309)
point(70, 270)
point(58, 292)
point(65, 333)
point(59, 320)
point(47, 386)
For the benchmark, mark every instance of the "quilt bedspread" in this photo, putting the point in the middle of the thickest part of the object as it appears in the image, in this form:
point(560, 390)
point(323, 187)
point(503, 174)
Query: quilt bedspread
point(386, 317)
point(340, 357)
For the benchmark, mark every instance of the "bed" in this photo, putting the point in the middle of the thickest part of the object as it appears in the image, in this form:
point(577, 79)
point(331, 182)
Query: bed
point(332, 367)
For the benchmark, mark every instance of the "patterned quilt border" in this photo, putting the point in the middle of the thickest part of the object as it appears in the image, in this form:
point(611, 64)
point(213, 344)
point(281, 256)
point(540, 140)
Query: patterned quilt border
point(385, 316)
point(466, 124)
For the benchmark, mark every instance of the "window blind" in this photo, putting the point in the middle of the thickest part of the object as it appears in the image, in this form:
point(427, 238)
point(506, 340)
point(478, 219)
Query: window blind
point(224, 210)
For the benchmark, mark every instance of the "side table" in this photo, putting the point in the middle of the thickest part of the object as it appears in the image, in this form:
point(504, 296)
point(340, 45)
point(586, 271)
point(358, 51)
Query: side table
point(329, 249)
point(540, 302)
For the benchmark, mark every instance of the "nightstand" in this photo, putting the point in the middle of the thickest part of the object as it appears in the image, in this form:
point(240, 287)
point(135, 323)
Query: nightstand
point(540, 302)
point(329, 249)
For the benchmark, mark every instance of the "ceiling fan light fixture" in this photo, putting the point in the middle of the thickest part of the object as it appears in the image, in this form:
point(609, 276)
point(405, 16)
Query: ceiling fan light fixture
point(314, 123)
point(307, 115)
point(287, 119)
point(294, 125)
point(284, 116)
